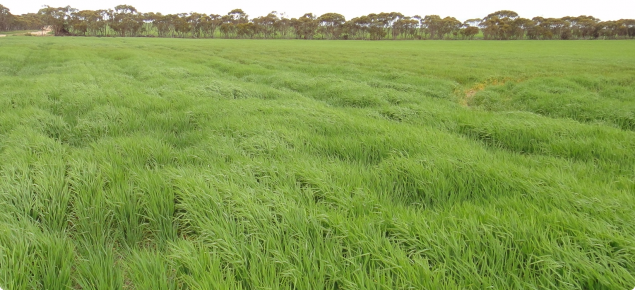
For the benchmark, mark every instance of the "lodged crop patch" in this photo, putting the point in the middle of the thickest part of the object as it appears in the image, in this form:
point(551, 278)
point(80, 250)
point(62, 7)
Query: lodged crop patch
point(253, 164)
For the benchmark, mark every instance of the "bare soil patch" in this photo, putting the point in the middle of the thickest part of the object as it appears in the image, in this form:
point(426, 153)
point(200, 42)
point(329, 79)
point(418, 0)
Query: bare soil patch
point(44, 32)
point(471, 92)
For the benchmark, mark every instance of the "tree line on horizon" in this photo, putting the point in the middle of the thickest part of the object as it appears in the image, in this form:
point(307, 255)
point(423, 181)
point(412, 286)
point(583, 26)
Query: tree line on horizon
point(127, 21)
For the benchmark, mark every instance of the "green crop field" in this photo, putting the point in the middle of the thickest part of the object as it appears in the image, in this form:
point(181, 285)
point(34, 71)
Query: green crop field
point(139, 163)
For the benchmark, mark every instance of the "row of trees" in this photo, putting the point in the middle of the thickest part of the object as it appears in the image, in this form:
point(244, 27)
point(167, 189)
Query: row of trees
point(125, 20)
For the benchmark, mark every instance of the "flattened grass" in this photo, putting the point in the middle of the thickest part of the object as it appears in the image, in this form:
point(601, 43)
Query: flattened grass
point(223, 164)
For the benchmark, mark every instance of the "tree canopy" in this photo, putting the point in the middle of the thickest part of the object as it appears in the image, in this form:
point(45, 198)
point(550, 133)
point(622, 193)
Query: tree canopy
point(127, 21)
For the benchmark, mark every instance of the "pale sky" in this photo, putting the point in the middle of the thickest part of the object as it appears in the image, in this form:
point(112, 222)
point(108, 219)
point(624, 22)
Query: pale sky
point(461, 9)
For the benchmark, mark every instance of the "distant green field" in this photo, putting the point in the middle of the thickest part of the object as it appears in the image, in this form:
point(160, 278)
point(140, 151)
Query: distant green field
point(252, 164)
point(16, 32)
